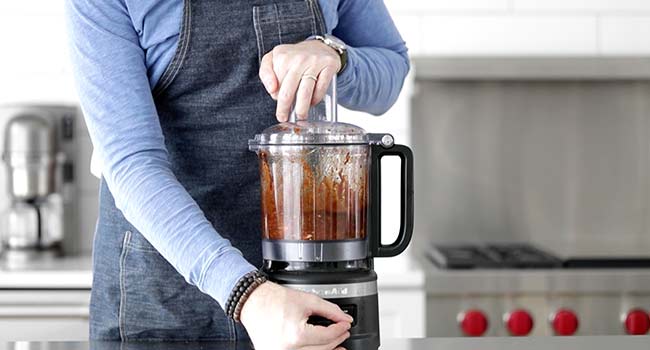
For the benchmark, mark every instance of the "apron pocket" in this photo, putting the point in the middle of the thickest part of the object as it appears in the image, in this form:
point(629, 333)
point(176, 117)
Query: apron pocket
point(136, 241)
point(157, 304)
point(282, 23)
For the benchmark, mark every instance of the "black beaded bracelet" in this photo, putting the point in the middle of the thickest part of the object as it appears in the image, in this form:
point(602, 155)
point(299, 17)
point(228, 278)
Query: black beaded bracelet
point(243, 289)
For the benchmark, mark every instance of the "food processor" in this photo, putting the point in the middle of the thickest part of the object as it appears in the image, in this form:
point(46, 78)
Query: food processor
point(321, 212)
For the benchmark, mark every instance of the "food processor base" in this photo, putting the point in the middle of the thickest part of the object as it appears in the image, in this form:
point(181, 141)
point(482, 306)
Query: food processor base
point(363, 307)
point(364, 333)
point(362, 343)
point(353, 287)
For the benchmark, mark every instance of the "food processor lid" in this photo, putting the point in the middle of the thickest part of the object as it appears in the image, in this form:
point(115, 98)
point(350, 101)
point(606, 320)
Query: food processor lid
point(310, 132)
point(320, 128)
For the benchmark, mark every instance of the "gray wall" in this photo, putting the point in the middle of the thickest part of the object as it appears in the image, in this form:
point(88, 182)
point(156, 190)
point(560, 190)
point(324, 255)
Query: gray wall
point(564, 161)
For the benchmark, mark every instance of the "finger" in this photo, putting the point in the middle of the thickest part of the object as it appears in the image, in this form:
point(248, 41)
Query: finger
point(333, 345)
point(328, 310)
point(319, 335)
point(281, 61)
point(287, 92)
point(304, 95)
point(324, 79)
point(267, 75)
point(339, 341)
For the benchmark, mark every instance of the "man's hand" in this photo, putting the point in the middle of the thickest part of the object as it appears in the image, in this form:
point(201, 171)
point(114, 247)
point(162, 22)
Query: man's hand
point(300, 71)
point(276, 319)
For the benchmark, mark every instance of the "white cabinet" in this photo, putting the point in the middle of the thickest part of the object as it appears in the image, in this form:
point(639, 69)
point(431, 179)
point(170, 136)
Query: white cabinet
point(402, 297)
point(402, 313)
point(39, 315)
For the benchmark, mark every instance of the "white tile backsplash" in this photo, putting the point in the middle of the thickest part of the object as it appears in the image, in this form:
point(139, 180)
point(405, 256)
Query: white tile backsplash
point(37, 88)
point(32, 43)
point(622, 35)
point(34, 63)
point(523, 27)
point(11, 7)
point(409, 27)
point(582, 5)
point(443, 5)
point(509, 35)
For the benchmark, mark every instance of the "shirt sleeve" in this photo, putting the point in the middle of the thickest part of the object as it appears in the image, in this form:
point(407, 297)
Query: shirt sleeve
point(115, 95)
point(377, 56)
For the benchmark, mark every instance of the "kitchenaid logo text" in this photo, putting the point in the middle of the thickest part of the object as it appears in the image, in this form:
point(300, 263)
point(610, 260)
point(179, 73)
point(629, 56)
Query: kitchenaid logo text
point(327, 292)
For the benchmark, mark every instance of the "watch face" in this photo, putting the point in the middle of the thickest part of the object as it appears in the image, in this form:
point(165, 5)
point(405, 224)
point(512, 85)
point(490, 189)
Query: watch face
point(340, 45)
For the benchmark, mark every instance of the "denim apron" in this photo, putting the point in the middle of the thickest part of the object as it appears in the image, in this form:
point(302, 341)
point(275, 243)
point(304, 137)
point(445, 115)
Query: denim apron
point(210, 102)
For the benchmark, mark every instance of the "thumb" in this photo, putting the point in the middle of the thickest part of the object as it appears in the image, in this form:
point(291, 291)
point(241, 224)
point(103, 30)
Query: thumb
point(328, 310)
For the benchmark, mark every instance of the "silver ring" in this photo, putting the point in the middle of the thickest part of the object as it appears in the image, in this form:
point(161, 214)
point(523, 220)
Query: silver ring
point(309, 76)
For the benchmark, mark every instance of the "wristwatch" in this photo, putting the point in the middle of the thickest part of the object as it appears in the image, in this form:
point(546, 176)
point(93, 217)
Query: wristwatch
point(335, 43)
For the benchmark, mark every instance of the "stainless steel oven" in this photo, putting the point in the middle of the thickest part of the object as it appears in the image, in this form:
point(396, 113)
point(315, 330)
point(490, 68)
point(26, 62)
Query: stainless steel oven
point(552, 153)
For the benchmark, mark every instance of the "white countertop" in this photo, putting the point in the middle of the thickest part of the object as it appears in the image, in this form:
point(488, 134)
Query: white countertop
point(515, 343)
point(70, 272)
point(75, 272)
point(402, 272)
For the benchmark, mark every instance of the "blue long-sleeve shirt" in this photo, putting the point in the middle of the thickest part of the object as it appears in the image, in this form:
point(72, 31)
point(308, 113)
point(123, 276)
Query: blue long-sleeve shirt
point(120, 49)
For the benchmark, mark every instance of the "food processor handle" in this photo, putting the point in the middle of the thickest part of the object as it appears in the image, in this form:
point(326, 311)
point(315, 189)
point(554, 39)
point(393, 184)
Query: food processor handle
point(377, 249)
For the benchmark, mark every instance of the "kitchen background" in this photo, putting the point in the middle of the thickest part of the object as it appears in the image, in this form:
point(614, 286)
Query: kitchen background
point(467, 54)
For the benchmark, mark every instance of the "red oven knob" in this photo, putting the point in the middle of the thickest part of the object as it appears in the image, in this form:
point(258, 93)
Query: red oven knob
point(637, 322)
point(473, 323)
point(519, 322)
point(564, 322)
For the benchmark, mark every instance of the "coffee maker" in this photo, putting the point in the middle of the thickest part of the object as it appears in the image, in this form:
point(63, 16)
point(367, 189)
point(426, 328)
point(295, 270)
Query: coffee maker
point(38, 180)
point(321, 192)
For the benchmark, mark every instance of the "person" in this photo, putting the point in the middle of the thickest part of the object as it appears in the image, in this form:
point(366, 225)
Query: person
point(171, 92)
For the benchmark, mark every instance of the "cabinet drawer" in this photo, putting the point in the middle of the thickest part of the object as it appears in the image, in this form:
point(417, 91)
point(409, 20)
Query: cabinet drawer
point(14, 297)
point(41, 315)
point(401, 313)
point(43, 329)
